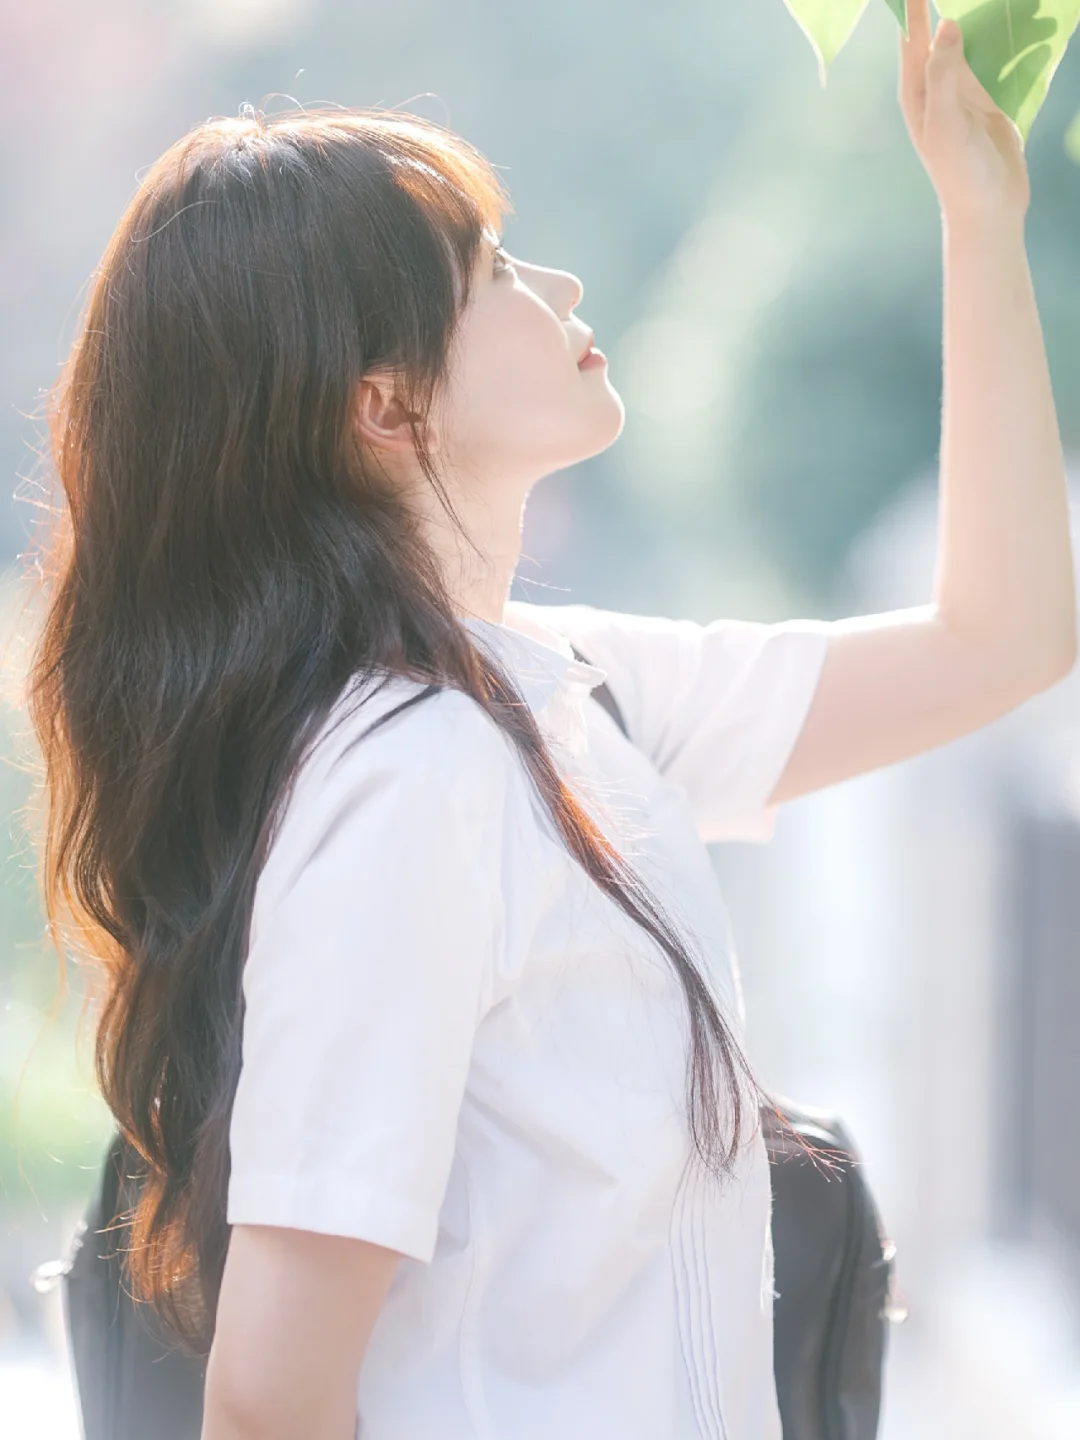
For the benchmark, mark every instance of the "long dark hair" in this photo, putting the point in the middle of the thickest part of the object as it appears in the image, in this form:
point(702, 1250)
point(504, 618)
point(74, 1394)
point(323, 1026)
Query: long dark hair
point(221, 562)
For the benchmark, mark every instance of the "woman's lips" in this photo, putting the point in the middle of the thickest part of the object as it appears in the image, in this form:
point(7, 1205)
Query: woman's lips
point(592, 358)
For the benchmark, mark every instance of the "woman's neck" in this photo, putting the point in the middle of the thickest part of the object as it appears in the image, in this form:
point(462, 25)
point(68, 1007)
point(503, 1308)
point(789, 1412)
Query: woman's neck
point(479, 584)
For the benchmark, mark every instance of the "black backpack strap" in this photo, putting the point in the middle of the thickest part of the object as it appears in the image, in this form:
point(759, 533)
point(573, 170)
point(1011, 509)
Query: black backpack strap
point(129, 1380)
point(603, 695)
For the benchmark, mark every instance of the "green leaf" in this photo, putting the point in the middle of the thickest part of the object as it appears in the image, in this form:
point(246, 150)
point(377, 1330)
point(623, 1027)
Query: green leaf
point(828, 25)
point(1014, 47)
point(899, 9)
point(1072, 140)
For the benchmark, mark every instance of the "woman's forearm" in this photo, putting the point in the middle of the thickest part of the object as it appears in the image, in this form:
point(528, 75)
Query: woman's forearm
point(1005, 566)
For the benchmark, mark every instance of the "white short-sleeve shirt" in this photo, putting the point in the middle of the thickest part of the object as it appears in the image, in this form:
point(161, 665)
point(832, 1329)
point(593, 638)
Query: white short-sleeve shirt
point(456, 1045)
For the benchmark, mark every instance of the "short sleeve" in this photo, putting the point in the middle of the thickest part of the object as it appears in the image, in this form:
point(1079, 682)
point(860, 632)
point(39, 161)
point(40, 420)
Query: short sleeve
point(717, 707)
point(377, 921)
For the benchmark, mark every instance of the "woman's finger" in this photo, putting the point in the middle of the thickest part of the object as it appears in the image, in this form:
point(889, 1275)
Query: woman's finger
point(918, 25)
point(914, 52)
point(943, 71)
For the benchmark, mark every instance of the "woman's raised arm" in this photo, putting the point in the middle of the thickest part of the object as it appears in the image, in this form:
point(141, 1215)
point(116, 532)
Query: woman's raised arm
point(1002, 625)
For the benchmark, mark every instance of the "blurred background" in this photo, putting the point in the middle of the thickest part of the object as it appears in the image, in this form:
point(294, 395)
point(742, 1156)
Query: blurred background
point(761, 262)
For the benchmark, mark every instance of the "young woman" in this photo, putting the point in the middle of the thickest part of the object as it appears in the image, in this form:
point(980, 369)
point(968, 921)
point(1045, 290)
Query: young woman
point(421, 1008)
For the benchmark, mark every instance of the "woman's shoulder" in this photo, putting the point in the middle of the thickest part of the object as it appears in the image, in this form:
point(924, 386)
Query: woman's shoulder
point(394, 718)
point(436, 764)
point(615, 635)
point(570, 619)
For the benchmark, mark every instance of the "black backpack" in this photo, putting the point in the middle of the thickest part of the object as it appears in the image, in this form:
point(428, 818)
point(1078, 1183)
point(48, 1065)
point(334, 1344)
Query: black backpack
point(833, 1277)
point(834, 1283)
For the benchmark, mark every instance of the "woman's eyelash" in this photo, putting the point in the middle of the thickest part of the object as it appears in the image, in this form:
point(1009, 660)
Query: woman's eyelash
point(501, 255)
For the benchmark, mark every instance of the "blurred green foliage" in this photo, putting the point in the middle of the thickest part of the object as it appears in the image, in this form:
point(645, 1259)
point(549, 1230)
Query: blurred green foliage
point(53, 1124)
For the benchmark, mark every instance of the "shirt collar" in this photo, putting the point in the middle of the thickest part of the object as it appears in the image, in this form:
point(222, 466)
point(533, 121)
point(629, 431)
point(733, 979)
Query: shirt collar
point(553, 683)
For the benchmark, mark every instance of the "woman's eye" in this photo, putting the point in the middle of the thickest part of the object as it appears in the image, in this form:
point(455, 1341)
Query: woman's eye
point(503, 259)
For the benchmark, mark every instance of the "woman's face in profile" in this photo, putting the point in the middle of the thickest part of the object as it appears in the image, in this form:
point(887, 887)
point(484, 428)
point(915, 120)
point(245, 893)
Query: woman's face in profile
point(517, 404)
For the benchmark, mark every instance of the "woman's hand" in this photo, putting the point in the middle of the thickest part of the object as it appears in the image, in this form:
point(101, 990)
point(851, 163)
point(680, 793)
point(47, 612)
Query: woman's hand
point(969, 147)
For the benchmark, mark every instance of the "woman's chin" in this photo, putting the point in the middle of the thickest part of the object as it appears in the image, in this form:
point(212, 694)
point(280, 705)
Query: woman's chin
point(616, 416)
point(603, 426)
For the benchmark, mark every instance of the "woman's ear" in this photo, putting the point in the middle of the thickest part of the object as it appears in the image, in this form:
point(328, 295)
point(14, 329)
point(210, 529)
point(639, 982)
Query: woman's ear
point(382, 420)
